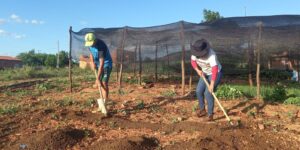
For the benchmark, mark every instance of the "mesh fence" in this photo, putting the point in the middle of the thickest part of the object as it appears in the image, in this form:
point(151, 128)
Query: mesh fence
point(235, 40)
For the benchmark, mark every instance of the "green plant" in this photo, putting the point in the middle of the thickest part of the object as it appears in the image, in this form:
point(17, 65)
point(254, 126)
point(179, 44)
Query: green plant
point(195, 106)
point(121, 92)
point(44, 86)
point(293, 101)
point(90, 102)
point(278, 94)
point(140, 104)
point(18, 93)
point(174, 120)
point(131, 80)
point(112, 124)
point(54, 116)
point(251, 113)
point(155, 108)
point(275, 75)
point(168, 93)
point(228, 92)
point(10, 110)
point(67, 101)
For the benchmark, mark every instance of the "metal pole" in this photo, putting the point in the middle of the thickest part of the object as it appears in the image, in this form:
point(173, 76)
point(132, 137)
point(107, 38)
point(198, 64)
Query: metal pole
point(70, 59)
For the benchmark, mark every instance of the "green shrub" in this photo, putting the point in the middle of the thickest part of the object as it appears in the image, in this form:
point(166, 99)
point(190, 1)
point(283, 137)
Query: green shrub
point(278, 94)
point(228, 92)
point(293, 101)
point(275, 75)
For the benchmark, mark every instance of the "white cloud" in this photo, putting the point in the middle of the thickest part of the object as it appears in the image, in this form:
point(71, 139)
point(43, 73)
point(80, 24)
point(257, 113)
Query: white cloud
point(21, 36)
point(2, 32)
point(2, 21)
point(34, 21)
point(16, 18)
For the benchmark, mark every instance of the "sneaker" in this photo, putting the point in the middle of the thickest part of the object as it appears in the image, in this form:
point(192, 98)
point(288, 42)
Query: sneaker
point(201, 113)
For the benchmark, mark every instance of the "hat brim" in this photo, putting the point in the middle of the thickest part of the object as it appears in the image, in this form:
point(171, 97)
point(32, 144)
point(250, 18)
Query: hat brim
point(200, 53)
point(89, 43)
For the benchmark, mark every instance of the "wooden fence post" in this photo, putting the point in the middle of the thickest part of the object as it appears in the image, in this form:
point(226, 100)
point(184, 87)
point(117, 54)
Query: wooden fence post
point(182, 57)
point(156, 47)
point(258, 62)
point(122, 57)
point(250, 63)
point(168, 57)
point(134, 59)
point(140, 65)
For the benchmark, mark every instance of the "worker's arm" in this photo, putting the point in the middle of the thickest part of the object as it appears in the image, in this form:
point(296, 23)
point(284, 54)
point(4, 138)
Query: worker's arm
point(101, 61)
point(92, 61)
point(213, 78)
point(196, 68)
point(214, 72)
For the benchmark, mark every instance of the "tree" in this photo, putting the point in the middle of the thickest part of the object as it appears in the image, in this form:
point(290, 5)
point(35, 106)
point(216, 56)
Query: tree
point(31, 58)
point(50, 61)
point(210, 15)
point(63, 58)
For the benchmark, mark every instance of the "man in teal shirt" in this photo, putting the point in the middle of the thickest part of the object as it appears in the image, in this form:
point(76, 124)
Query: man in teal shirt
point(101, 61)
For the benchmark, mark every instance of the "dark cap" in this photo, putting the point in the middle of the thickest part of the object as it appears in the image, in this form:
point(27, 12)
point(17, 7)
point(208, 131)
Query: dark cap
point(200, 48)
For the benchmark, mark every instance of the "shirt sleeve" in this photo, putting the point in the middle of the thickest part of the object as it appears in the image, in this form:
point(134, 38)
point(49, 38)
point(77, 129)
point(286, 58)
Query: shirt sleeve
point(212, 60)
point(214, 65)
point(214, 73)
point(193, 62)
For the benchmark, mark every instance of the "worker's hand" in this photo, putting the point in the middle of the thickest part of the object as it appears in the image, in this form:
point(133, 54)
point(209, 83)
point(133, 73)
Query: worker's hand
point(98, 82)
point(93, 66)
point(211, 88)
point(200, 73)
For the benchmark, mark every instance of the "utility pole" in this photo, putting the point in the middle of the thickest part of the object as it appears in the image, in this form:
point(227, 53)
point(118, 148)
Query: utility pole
point(57, 63)
point(245, 10)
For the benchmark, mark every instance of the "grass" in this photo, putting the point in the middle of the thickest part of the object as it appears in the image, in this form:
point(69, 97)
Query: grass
point(168, 93)
point(18, 93)
point(90, 102)
point(67, 101)
point(28, 72)
point(10, 110)
point(265, 90)
point(292, 101)
point(270, 93)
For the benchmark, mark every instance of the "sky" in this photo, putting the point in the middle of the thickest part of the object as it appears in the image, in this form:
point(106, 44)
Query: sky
point(41, 24)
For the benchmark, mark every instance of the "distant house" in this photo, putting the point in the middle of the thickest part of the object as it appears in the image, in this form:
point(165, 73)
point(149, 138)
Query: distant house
point(281, 60)
point(84, 62)
point(9, 62)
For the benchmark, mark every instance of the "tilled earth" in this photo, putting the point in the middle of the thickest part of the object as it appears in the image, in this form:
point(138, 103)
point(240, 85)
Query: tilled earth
point(149, 117)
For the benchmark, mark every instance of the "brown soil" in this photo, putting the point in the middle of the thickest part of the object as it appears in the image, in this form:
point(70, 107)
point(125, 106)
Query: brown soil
point(144, 118)
point(131, 143)
point(57, 139)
